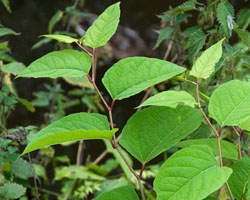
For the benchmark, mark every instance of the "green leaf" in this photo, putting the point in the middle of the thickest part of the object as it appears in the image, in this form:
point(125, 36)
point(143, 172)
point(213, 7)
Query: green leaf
point(79, 81)
point(196, 42)
point(224, 11)
point(245, 125)
point(132, 75)
point(103, 28)
point(204, 66)
point(243, 18)
point(239, 179)
point(153, 130)
point(78, 126)
point(228, 150)
point(186, 6)
point(6, 4)
point(244, 36)
point(229, 104)
point(13, 68)
point(7, 31)
point(21, 169)
point(61, 38)
point(75, 172)
point(56, 18)
point(40, 43)
point(121, 193)
point(65, 63)
point(26, 103)
point(12, 190)
point(164, 34)
point(191, 173)
point(170, 98)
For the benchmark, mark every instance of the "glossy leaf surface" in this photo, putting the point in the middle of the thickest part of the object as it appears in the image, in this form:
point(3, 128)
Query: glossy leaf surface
point(103, 28)
point(229, 104)
point(65, 63)
point(78, 126)
point(132, 75)
point(228, 150)
point(121, 193)
point(153, 130)
point(170, 98)
point(204, 66)
point(191, 173)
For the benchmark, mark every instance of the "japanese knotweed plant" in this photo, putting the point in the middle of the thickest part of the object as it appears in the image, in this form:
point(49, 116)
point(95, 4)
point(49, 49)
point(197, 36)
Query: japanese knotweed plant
point(192, 173)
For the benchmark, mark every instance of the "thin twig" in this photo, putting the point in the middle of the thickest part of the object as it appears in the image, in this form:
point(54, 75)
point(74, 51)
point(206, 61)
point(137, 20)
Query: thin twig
point(239, 138)
point(93, 65)
point(100, 157)
point(84, 49)
point(141, 189)
point(80, 153)
point(147, 94)
point(219, 146)
point(199, 106)
point(34, 177)
point(230, 192)
point(170, 44)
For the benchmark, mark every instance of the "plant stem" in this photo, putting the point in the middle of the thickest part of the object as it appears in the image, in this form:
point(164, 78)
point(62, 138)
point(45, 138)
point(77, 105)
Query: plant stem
point(100, 157)
point(79, 44)
point(80, 153)
point(34, 178)
point(218, 134)
point(170, 44)
point(93, 65)
point(239, 138)
point(199, 106)
point(147, 94)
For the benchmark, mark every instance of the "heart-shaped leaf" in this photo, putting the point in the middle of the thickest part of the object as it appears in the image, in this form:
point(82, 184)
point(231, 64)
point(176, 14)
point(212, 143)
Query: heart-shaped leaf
point(191, 173)
point(65, 63)
point(132, 75)
point(103, 28)
point(78, 126)
point(153, 130)
point(229, 104)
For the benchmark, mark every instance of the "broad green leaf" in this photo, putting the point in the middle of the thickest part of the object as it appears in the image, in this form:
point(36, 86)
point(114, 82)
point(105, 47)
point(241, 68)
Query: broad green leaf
point(196, 42)
point(204, 131)
point(26, 103)
point(171, 99)
point(228, 150)
point(132, 75)
point(244, 36)
point(239, 179)
point(229, 104)
point(191, 173)
point(103, 28)
point(224, 11)
point(21, 169)
point(61, 38)
point(245, 125)
point(7, 31)
point(121, 193)
point(56, 18)
point(12, 190)
point(65, 63)
point(13, 68)
point(204, 66)
point(164, 34)
point(153, 130)
point(78, 126)
point(75, 172)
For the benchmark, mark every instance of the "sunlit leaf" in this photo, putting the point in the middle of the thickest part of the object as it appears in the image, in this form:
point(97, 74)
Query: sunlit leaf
point(153, 130)
point(103, 28)
point(65, 63)
point(132, 75)
point(78, 126)
point(191, 173)
point(170, 98)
